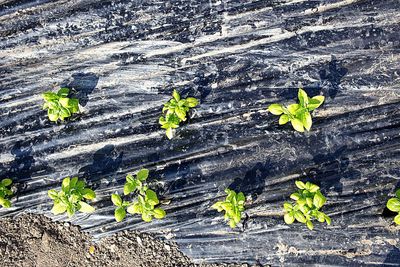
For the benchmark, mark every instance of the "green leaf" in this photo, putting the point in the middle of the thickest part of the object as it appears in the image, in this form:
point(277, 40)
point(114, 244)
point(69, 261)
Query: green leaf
point(58, 208)
point(297, 125)
point(86, 208)
point(142, 174)
point(169, 133)
point(129, 187)
point(151, 197)
point(315, 102)
point(135, 208)
point(176, 95)
point(73, 105)
point(89, 194)
point(299, 217)
point(300, 184)
point(288, 218)
point(6, 182)
point(181, 114)
point(240, 198)
point(313, 188)
point(53, 194)
point(327, 219)
point(64, 113)
point(52, 114)
point(287, 207)
point(397, 219)
point(303, 98)
point(64, 102)
point(65, 184)
point(393, 204)
point(319, 200)
point(146, 217)
point(116, 200)
point(309, 201)
point(310, 225)
point(293, 108)
point(159, 213)
point(295, 196)
point(275, 109)
point(398, 193)
point(49, 96)
point(283, 119)
point(119, 214)
point(192, 102)
point(5, 203)
point(63, 92)
point(307, 120)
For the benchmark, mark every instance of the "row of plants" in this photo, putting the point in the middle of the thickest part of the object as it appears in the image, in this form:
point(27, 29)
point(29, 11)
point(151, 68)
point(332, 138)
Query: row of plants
point(74, 194)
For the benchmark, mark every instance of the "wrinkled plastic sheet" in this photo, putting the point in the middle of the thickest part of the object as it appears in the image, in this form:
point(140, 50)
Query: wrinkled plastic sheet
point(123, 58)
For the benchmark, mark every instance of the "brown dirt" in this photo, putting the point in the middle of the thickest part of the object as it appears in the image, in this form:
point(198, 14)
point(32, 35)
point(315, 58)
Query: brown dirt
point(35, 240)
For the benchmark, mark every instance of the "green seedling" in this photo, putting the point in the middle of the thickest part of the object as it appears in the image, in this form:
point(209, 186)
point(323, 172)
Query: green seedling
point(309, 200)
point(299, 115)
point(175, 111)
point(5, 193)
point(146, 202)
point(233, 207)
point(72, 197)
point(393, 204)
point(59, 106)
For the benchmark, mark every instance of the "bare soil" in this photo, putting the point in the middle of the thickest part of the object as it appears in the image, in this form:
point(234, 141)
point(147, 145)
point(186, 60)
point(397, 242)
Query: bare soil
point(35, 240)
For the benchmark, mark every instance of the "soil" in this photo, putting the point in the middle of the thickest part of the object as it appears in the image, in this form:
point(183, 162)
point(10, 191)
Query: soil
point(35, 240)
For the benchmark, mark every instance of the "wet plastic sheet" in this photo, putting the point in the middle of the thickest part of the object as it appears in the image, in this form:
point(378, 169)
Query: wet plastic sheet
point(123, 58)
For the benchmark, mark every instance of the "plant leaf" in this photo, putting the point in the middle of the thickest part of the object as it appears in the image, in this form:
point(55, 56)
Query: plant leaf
point(65, 184)
point(169, 133)
point(397, 219)
point(307, 120)
point(151, 197)
point(288, 218)
point(275, 109)
point(159, 213)
point(89, 194)
point(299, 217)
point(58, 208)
point(6, 182)
point(86, 208)
point(119, 214)
point(192, 102)
point(116, 200)
point(300, 184)
point(310, 225)
point(293, 108)
point(142, 174)
point(135, 208)
point(53, 194)
point(146, 217)
point(393, 204)
point(297, 125)
point(398, 193)
point(63, 92)
point(283, 119)
point(319, 200)
point(303, 97)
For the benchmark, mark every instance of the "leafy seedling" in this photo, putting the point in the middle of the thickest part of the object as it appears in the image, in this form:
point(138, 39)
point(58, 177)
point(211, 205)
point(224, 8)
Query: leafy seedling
point(233, 207)
point(299, 115)
point(309, 200)
point(5, 193)
point(59, 106)
point(393, 204)
point(72, 197)
point(146, 201)
point(175, 111)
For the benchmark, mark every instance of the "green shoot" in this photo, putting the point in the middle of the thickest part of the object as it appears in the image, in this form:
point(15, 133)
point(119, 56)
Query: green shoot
point(59, 106)
point(393, 204)
point(175, 111)
point(233, 207)
point(299, 115)
point(146, 202)
point(309, 200)
point(72, 197)
point(5, 193)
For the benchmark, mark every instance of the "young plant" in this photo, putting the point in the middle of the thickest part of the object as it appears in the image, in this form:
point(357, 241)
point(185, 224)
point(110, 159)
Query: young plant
point(72, 197)
point(146, 202)
point(59, 106)
point(309, 200)
point(175, 111)
point(299, 115)
point(233, 207)
point(5, 193)
point(393, 204)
